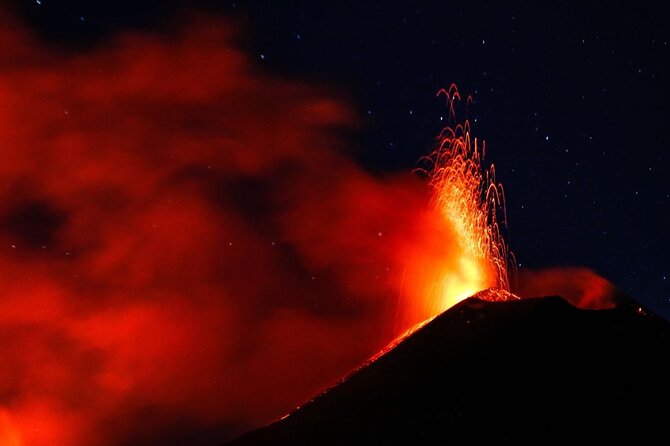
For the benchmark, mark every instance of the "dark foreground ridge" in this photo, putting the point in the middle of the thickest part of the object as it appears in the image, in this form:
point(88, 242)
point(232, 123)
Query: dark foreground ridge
point(500, 372)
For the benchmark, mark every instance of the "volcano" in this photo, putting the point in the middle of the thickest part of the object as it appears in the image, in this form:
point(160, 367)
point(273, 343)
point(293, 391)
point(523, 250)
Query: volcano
point(533, 370)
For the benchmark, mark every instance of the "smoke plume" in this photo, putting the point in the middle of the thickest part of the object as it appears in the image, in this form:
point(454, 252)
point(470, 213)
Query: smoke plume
point(186, 249)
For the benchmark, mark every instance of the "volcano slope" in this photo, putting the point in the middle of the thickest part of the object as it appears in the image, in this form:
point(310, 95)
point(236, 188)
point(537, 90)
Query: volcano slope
point(534, 370)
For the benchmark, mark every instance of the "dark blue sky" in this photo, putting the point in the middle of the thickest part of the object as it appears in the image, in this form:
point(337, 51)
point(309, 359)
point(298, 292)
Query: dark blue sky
point(571, 99)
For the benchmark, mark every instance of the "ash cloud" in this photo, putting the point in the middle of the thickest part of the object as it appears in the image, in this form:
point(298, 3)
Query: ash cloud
point(580, 286)
point(184, 251)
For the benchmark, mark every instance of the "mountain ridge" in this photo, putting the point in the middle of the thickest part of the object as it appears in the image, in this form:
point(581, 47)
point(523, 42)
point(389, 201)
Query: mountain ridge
point(481, 372)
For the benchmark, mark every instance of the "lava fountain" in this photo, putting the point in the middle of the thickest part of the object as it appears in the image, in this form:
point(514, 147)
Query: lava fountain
point(470, 203)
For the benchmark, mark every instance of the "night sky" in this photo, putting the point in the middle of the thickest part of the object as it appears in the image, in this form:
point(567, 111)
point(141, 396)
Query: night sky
point(210, 211)
point(571, 99)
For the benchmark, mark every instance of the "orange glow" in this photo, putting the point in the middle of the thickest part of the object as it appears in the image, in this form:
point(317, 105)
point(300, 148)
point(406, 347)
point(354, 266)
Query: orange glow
point(9, 435)
point(467, 201)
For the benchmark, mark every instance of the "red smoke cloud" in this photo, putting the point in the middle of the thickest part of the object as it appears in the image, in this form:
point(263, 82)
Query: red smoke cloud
point(581, 287)
point(184, 251)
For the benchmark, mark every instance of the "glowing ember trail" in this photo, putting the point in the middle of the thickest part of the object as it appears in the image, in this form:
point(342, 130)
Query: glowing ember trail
point(471, 204)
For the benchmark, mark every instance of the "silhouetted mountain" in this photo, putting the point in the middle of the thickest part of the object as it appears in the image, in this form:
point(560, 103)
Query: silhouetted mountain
point(533, 370)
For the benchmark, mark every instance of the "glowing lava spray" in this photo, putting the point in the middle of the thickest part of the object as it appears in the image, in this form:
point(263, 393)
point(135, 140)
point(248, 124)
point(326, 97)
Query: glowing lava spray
point(470, 204)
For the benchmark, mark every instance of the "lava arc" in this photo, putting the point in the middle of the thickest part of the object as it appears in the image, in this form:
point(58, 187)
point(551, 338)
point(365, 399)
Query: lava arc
point(471, 204)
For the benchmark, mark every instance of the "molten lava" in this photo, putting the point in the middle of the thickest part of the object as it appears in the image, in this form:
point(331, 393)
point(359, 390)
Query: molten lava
point(468, 202)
